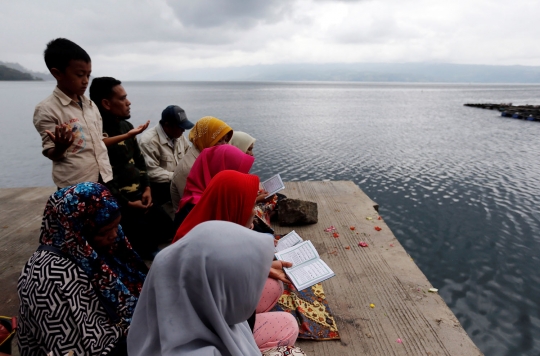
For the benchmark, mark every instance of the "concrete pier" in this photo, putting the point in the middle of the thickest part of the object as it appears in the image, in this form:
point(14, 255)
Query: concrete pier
point(382, 274)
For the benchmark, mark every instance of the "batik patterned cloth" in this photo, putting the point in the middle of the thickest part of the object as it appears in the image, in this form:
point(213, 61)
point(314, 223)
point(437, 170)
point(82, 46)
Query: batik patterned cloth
point(284, 351)
point(311, 310)
point(265, 210)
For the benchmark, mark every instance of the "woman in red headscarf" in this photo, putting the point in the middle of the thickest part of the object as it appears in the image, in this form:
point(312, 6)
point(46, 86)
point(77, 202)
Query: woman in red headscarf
point(230, 196)
point(210, 162)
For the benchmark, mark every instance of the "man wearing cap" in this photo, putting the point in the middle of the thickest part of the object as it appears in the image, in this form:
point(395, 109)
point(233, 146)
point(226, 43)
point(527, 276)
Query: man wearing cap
point(163, 146)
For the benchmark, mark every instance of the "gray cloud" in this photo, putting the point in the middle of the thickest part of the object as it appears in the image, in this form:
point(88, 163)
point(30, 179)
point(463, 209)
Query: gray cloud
point(240, 14)
point(137, 39)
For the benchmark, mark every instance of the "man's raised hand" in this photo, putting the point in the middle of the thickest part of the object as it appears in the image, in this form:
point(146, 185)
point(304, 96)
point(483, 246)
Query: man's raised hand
point(134, 132)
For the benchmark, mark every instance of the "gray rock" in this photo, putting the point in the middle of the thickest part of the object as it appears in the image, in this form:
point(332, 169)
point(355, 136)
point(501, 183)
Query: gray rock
point(297, 212)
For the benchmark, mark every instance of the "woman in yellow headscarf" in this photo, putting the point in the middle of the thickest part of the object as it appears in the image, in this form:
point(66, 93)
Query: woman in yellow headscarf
point(207, 132)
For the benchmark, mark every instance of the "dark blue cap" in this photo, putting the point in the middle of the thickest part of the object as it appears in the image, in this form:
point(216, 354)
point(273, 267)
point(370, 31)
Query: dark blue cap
point(176, 116)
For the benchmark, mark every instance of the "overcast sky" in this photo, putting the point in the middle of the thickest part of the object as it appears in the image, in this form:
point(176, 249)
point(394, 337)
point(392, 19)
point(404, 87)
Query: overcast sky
point(136, 39)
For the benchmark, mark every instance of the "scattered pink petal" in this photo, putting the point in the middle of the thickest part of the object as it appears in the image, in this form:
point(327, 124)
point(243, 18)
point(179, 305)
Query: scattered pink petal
point(328, 229)
point(399, 341)
point(362, 244)
point(379, 218)
point(391, 245)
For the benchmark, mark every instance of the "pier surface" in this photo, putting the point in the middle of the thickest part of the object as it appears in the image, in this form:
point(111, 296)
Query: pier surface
point(382, 274)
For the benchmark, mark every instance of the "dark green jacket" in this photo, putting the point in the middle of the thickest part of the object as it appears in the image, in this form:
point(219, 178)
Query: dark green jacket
point(129, 169)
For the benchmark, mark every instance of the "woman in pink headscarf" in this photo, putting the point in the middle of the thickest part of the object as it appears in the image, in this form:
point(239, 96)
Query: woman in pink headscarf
point(210, 162)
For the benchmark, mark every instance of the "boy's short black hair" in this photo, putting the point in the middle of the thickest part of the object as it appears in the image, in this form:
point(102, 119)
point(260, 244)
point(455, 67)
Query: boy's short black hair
point(102, 88)
point(61, 51)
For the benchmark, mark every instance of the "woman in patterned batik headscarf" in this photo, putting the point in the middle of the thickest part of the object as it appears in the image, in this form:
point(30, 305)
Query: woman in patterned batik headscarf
point(78, 291)
point(207, 132)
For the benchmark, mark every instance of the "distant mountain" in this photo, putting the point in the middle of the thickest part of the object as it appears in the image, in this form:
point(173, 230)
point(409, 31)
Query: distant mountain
point(363, 72)
point(20, 68)
point(7, 73)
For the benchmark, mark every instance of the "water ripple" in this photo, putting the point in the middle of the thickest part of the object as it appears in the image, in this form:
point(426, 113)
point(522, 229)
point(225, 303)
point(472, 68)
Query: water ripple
point(459, 187)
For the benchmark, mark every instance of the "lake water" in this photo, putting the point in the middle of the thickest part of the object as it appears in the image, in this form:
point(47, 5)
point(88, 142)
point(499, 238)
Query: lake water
point(458, 186)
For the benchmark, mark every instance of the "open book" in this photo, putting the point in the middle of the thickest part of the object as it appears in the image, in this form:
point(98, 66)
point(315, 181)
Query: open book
point(308, 268)
point(289, 240)
point(273, 185)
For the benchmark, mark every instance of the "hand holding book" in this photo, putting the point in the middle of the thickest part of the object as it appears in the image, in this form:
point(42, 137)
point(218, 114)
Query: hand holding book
point(277, 272)
point(262, 195)
point(273, 185)
point(308, 267)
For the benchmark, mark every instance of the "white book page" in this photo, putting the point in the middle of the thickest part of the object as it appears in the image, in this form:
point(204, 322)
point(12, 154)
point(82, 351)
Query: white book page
point(273, 185)
point(289, 240)
point(307, 275)
point(298, 254)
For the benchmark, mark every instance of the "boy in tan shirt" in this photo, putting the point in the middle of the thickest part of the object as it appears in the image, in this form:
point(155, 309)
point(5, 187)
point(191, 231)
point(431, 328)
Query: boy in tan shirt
point(69, 123)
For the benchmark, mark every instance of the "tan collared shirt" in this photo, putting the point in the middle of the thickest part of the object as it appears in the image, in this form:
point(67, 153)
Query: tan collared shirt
point(161, 154)
point(180, 175)
point(87, 156)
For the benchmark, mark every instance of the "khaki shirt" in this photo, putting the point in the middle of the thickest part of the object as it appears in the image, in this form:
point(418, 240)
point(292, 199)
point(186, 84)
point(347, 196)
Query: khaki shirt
point(161, 158)
point(180, 175)
point(87, 157)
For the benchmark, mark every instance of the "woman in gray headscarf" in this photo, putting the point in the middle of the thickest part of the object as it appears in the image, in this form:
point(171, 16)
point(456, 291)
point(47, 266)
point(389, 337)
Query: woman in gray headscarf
point(200, 293)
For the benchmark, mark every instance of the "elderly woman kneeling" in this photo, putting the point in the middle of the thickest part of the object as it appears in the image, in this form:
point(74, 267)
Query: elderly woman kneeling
point(78, 291)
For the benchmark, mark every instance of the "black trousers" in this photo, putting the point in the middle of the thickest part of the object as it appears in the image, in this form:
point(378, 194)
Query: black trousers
point(181, 215)
point(145, 229)
point(161, 193)
point(120, 349)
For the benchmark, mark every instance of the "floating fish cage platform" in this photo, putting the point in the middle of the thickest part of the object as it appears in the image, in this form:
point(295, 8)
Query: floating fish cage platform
point(522, 112)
